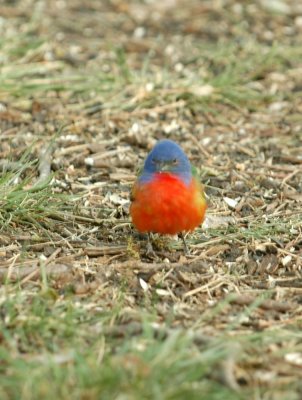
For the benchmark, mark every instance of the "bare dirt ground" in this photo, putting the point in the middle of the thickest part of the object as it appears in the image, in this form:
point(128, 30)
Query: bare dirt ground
point(86, 88)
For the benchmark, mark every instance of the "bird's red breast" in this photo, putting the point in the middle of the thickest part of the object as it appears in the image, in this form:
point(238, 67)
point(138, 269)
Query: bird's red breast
point(167, 205)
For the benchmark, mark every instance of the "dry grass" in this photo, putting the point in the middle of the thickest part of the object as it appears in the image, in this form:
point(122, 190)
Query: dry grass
point(85, 91)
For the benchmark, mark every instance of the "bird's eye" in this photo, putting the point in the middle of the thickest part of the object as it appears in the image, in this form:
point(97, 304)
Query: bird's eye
point(153, 161)
point(175, 161)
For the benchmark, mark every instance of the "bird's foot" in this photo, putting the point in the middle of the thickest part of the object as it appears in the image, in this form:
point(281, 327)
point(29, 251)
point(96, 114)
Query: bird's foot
point(150, 253)
point(186, 249)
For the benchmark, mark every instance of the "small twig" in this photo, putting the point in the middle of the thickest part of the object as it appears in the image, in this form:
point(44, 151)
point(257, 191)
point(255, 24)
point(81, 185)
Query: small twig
point(146, 111)
point(199, 145)
point(205, 288)
point(288, 177)
point(100, 251)
point(37, 270)
point(266, 304)
point(94, 159)
point(33, 271)
point(73, 149)
point(44, 165)
point(11, 266)
point(277, 167)
point(296, 256)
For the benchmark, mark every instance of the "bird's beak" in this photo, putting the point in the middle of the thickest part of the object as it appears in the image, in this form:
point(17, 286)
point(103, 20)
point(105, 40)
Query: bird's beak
point(163, 167)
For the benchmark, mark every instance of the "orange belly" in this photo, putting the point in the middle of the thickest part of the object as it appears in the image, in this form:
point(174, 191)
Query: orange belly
point(167, 205)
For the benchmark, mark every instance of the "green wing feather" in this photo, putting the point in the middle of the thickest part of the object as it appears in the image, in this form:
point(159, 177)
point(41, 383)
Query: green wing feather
point(195, 173)
point(139, 171)
point(196, 177)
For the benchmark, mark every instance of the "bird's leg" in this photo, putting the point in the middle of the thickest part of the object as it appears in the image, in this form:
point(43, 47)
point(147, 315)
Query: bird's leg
point(150, 251)
point(186, 249)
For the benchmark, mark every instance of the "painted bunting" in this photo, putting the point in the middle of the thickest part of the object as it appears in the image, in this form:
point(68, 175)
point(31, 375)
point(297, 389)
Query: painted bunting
point(167, 197)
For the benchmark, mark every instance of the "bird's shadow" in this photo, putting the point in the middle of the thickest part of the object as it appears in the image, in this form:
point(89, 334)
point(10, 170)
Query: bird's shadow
point(154, 247)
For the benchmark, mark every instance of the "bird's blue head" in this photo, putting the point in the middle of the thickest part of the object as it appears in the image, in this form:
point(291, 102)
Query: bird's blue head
point(167, 157)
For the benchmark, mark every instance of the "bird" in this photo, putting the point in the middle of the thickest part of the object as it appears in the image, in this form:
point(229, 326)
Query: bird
point(167, 196)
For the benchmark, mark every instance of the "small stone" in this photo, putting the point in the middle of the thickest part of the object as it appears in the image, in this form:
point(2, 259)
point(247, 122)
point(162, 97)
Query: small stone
point(286, 260)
